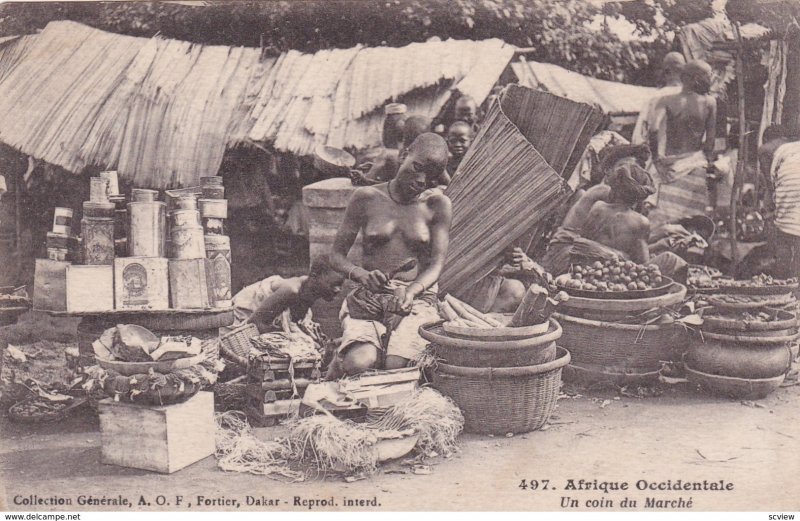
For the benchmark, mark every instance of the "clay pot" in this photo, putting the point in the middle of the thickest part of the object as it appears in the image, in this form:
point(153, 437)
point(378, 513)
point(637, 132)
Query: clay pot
point(739, 359)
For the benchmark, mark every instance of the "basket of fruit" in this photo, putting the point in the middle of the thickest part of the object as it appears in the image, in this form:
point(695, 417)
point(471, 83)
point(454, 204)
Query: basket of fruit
point(758, 285)
point(614, 279)
point(739, 302)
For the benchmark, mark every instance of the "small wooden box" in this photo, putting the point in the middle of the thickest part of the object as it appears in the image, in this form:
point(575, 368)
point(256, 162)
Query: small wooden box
point(190, 286)
point(90, 288)
point(50, 285)
point(141, 283)
point(158, 438)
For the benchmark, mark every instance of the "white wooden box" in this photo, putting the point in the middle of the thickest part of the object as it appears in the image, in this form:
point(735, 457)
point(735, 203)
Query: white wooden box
point(158, 438)
point(141, 283)
point(90, 288)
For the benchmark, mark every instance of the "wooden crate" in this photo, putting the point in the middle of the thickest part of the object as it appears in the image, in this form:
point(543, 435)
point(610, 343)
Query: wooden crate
point(141, 283)
point(158, 438)
point(269, 414)
point(50, 285)
point(190, 284)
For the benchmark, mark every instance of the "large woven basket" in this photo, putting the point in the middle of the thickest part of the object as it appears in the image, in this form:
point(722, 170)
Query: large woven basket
point(503, 400)
point(492, 353)
point(612, 310)
point(621, 348)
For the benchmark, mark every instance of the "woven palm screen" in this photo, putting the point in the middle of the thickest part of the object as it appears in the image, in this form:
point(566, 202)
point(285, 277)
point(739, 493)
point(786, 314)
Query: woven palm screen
point(504, 187)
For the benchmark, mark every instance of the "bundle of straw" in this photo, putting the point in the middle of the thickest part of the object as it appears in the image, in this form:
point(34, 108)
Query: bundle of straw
point(436, 418)
point(238, 450)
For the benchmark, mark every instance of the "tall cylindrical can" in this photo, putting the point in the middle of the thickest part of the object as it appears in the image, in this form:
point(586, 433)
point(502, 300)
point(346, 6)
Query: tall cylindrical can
point(147, 223)
point(218, 252)
point(187, 242)
point(62, 220)
point(142, 195)
point(113, 181)
point(98, 240)
point(98, 190)
point(185, 218)
point(214, 208)
point(186, 202)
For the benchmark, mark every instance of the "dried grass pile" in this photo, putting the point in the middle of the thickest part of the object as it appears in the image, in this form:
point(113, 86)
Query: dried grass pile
point(323, 443)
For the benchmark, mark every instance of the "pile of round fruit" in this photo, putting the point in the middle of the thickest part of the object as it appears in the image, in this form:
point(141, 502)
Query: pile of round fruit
point(612, 275)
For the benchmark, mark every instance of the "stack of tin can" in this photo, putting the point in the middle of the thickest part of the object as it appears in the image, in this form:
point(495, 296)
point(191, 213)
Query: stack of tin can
point(58, 239)
point(97, 225)
point(214, 212)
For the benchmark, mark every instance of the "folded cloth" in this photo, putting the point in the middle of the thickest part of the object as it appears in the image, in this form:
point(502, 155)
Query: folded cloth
point(368, 322)
point(682, 191)
point(568, 246)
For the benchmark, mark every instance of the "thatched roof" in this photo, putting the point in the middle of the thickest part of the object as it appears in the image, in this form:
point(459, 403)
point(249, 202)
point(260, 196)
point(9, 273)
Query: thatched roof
point(162, 112)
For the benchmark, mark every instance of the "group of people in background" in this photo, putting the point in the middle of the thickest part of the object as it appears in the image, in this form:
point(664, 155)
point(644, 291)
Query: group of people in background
point(628, 199)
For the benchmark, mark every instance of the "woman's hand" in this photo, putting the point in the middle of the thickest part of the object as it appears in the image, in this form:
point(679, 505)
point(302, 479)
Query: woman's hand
point(374, 280)
point(403, 300)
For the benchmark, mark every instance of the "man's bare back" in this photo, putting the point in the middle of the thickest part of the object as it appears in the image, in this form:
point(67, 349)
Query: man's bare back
point(689, 118)
point(618, 226)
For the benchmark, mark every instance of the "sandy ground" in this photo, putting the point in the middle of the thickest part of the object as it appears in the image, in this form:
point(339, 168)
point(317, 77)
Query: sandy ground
point(681, 434)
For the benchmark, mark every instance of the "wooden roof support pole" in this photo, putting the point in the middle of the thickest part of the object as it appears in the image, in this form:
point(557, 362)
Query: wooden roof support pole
point(738, 178)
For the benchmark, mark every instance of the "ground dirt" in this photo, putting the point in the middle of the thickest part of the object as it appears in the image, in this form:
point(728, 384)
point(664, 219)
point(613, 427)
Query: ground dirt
point(681, 434)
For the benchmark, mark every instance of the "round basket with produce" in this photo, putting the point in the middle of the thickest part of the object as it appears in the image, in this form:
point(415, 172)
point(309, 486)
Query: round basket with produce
point(614, 279)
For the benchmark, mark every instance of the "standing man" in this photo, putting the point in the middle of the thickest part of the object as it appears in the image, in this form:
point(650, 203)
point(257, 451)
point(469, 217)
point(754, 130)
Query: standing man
point(781, 158)
point(646, 126)
point(400, 220)
point(685, 145)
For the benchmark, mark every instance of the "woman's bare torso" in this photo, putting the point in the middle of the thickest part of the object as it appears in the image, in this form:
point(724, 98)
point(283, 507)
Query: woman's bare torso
point(394, 233)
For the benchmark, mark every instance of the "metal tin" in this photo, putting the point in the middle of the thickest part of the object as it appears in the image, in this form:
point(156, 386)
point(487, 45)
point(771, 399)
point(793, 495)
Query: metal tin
point(98, 240)
point(62, 220)
point(75, 249)
point(215, 208)
point(57, 240)
point(143, 195)
point(187, 242)
point(118, 200)
point(120, 223)
point(213, 226)
point(113, 181)
point(147, 223)
point(102, 210)
point(213, 192)
point(98, 189)
point(186, 202)
point(211, 180)
point(185, 218)
point(57, 254)
point(218, 252)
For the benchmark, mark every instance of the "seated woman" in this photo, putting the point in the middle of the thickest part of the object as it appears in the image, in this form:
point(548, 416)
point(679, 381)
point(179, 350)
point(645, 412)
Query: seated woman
point(615, 228)
point(264, 301)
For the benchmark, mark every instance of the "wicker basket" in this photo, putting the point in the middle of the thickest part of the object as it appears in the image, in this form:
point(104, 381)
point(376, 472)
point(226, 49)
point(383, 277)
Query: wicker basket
point(784, 322)
point(621, 348)
point(737, 388)
point(503, 400)
point(605, 309)
point(236, 345)
point(485, 353)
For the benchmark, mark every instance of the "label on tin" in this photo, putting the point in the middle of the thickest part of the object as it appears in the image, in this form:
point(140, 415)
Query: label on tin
point(134, 282)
